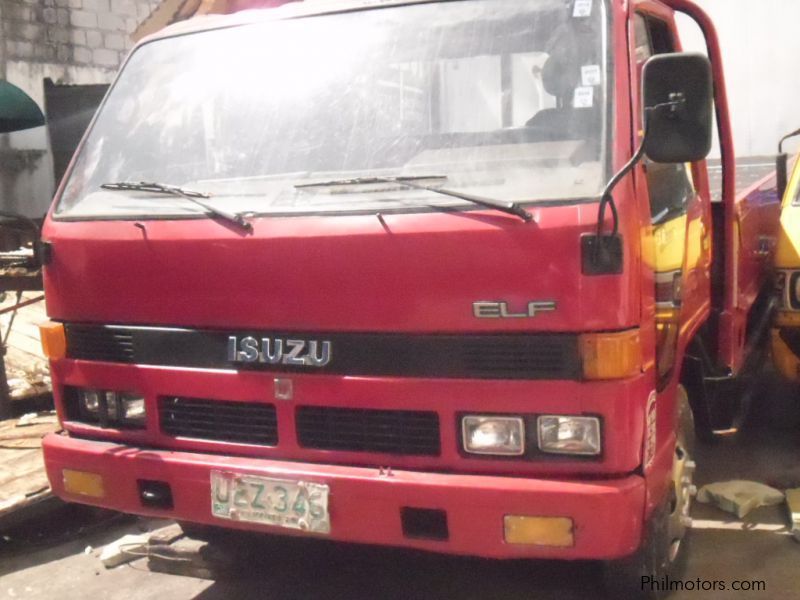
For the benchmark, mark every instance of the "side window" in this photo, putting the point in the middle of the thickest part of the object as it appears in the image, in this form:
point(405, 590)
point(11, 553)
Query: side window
point(643, 48)
point(670, 185)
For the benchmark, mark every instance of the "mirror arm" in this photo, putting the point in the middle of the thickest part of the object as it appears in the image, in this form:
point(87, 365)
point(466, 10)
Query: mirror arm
point(607, 198)
point(788, 136)
point(782, 165)
point(676, 102)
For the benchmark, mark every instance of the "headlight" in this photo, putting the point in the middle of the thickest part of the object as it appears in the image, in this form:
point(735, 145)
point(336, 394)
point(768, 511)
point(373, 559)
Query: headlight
point(794, 291)
point(90, 401)
point(504, 436)
point(109, 408)
point(569, 435)
point(133, 408)
point(780, 288)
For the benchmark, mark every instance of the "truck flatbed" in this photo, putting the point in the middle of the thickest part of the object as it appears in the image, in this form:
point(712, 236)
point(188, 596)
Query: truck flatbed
point(749, 171)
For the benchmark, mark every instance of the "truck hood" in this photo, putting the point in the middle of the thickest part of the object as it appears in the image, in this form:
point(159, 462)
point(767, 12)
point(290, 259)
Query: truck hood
point(414, 273)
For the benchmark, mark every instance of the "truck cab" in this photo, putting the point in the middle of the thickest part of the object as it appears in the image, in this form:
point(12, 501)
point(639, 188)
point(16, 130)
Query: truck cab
point(404, 273)
point(785, 333)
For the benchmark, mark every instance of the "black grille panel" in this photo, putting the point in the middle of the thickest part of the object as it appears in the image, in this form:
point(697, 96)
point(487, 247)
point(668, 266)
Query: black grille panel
point(237, 422)
point(89, 342)
point(359, 430)
point(508, 357)
point(513, 356)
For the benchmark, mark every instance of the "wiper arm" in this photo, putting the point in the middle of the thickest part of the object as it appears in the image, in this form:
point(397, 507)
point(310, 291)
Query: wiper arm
point(402, 180)
point(190, 195)
point(511, 208)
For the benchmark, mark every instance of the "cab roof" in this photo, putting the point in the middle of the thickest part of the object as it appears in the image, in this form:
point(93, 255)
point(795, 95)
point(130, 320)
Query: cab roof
point(290, 10)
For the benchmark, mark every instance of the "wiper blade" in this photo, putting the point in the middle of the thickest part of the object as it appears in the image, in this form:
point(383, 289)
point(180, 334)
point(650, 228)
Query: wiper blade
point(191, 195)
point(511, 208)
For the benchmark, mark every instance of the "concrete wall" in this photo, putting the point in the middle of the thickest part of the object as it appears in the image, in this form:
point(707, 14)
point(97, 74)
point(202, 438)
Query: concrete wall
point(71, 42)
point(761, 46)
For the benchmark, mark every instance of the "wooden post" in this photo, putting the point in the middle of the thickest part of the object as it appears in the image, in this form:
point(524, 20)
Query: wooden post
point(5, 394)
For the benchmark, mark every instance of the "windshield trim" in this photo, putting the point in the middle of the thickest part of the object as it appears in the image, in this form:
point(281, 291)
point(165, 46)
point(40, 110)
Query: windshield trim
point(300, 12)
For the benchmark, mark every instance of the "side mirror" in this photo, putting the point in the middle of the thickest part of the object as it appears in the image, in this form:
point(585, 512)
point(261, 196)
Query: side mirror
point(782, 173)
point(782, 164)
point(678, 93)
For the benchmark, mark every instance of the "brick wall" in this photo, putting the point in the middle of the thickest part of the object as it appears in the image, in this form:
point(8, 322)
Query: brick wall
point(71, 32)
point(72, 42)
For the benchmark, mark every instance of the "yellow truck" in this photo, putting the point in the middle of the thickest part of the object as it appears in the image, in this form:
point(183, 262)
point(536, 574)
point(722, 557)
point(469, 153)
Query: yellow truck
point(786, 328)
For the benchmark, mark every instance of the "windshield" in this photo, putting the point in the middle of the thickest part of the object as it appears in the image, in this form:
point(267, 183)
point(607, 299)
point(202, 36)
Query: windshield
point(499, 98)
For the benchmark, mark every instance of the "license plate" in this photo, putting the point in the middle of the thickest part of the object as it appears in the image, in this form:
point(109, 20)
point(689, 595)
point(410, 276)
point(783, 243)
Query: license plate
point(291, 504)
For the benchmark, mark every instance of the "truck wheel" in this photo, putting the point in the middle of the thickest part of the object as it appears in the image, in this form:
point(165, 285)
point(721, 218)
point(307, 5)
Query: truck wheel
point(682, 489)
point(628, 578)
point(664, 549)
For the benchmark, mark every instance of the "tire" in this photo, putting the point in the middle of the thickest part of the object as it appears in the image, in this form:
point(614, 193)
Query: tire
point(625, 579)
point(664, 548)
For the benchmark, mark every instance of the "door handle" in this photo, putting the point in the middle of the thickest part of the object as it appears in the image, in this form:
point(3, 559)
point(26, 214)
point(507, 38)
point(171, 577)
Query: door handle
point(764, 249)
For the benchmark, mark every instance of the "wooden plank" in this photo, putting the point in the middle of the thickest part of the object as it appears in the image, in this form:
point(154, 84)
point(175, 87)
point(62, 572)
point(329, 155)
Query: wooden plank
point(27, 370)
point(23, 480)
point(26, 345)
point(23, 328)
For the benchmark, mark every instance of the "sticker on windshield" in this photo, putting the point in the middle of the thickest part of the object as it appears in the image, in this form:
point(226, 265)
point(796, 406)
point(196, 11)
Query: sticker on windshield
point(583, 8)
point(591, 75)
point(584, 97)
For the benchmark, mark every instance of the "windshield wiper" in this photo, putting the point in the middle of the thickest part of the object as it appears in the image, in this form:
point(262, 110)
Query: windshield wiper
point(190, 195)
point(511, 208)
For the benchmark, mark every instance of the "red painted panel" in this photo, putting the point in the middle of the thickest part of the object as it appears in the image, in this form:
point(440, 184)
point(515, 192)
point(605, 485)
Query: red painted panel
point(365, 504)
point(418, 273)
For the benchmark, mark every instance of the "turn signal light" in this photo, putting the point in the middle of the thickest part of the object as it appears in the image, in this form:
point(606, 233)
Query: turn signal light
point(83, 483)
point(611, 355)
point(54, 340)
point(539, 531)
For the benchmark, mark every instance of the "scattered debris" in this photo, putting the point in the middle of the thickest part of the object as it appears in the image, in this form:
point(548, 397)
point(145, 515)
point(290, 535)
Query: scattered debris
point(186, 557)
point(28, 422)
point(739, 497)
point(125, 549)
point(166, 535)
point(27, 419)
point(793, 503)
point(168, 550)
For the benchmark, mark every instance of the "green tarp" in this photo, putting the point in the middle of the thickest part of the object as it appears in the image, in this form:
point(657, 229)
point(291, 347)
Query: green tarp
point(17, 109)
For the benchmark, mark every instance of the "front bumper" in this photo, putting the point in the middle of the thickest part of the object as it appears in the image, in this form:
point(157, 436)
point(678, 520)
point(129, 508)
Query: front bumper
point(366, 503)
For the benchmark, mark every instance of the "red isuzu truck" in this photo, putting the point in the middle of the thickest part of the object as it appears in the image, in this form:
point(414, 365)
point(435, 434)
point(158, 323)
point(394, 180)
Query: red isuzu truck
point(443, 275)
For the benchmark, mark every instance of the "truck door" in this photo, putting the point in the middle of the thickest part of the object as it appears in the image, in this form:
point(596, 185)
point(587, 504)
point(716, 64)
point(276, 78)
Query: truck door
point(680, 217)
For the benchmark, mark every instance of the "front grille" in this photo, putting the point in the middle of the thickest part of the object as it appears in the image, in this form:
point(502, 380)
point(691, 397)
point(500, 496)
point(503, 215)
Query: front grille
point(535, 356)
point(237, 422)
point(511, 357)
point(402, 432)
point(89, 342)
